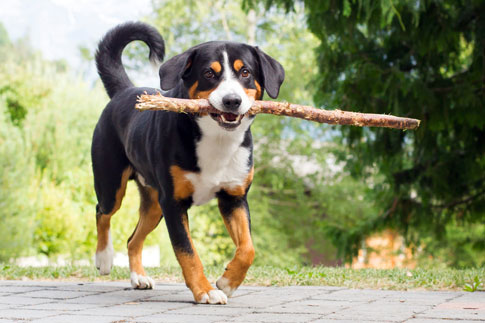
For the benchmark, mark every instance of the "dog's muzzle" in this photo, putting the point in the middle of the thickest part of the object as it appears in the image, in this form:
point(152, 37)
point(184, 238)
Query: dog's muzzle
point(229, 119)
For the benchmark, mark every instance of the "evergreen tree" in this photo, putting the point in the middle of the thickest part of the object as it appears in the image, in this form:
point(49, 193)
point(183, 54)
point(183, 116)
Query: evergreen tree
point(421, 59)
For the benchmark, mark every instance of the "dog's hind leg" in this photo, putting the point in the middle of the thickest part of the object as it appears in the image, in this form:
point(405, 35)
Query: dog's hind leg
point(111, 170)
point(150, 216)
point(235, 212)
point(104, 248)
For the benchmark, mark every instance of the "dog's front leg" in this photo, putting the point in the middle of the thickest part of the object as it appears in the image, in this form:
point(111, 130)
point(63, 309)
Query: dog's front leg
point(192, 269)
point(235, 212)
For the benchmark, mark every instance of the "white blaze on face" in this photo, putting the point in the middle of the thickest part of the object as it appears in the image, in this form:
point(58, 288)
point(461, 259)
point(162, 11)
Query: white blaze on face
point(230, 85)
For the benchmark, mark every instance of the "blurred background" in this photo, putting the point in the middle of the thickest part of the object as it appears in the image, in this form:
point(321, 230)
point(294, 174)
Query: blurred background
point(322, 195)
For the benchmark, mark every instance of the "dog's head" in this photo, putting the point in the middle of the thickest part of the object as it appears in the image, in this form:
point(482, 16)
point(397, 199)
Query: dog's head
point(230, 75)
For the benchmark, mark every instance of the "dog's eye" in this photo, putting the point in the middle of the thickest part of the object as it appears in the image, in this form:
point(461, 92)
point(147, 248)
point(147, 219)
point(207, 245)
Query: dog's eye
point(245, 72)
point(209, 74)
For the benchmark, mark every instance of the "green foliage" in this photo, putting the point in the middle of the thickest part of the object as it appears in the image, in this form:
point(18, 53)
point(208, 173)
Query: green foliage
point(424, 60)
point(4, 39)
point(19, 88)
point(46, 186)
point(15, 208)
point(474, 285)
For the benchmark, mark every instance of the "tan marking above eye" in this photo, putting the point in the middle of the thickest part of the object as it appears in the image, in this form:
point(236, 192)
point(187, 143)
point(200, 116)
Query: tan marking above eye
point(216, 67)
point(238, 64)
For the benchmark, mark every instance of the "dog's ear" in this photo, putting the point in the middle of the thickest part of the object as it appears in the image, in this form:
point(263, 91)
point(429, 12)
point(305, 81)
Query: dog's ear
point(272, 72)
point(173, 70)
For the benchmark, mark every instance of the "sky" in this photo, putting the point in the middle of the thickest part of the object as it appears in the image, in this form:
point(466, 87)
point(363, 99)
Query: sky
point(58, 27)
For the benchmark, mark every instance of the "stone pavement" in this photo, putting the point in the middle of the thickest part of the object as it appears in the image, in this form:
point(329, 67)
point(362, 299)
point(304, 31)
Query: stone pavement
point(116, 302)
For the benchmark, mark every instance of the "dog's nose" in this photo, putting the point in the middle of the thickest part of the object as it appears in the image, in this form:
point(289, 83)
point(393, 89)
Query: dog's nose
point(231, 101)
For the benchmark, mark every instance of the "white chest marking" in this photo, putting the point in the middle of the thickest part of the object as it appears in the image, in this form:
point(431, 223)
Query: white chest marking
point(222, 161)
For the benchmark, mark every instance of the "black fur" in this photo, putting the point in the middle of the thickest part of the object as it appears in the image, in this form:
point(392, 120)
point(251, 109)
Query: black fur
point(110, 48)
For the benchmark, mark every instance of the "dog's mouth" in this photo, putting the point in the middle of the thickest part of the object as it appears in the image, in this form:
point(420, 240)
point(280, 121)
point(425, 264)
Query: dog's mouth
point(227, 120)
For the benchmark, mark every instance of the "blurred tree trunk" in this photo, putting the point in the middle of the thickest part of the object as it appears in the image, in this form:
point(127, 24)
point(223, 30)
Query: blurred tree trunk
point(251, 27)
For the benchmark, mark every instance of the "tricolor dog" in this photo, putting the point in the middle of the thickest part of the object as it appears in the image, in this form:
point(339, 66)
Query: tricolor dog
point(178, 160)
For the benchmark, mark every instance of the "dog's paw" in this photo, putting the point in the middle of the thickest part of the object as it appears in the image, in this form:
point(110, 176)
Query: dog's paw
point(141, 282)
point(213, 297)
point(223, 284)
point(104, 260)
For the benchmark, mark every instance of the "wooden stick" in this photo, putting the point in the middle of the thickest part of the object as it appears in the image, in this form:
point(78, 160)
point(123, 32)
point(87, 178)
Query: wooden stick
point(202, 107)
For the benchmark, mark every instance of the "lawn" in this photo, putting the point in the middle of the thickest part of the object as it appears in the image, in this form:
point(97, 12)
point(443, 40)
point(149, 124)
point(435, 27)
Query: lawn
point(395, 279)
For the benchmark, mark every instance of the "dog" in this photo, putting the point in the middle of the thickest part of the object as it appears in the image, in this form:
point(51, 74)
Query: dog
point(176, 159)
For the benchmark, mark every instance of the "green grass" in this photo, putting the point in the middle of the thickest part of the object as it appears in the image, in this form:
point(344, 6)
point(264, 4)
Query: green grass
point(396, 279)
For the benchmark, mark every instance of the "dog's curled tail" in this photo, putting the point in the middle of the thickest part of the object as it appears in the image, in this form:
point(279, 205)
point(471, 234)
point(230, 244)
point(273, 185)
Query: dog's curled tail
point(108, 56)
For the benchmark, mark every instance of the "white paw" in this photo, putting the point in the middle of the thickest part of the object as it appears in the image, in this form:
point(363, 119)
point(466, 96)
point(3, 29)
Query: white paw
point(223, 284)
point(104, 258)
point(213, 297)
point(141, 282)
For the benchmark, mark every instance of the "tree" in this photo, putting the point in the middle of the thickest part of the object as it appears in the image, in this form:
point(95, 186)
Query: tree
point(424, 59)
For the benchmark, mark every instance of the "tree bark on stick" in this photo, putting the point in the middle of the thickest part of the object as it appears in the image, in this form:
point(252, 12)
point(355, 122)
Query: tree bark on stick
point(337, 117)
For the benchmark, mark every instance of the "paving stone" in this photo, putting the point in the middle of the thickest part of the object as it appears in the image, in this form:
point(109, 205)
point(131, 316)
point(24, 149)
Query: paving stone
point(206, 309)
point(61, 306)
point(10, 289)
point(168, 318)
point(454, 314)
point(421, 320)
point(271, 297)
point(391, 313)
point(101, 299)
point(7, 306)
point(360, 295)
point(240, 293)
point(136, 293)
point(116, 301)
point(177, 286)
point(421, 297)
point(175, 296)
point(94, 287)
point(19, 300)
point(110, 298)
point(34, 284)
point(132, 309)
point(326, 320)
point(402, 304)
point(21, 314)
point(272, 317)
point(56, 294)
point(74, 318)
point(471, 297)
point(252, 288)
point(306, 307)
